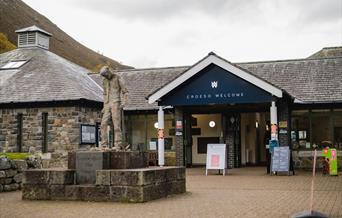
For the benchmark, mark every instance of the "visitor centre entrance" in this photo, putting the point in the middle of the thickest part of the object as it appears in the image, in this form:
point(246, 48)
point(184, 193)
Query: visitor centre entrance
point(244, 130)
point(215, 101)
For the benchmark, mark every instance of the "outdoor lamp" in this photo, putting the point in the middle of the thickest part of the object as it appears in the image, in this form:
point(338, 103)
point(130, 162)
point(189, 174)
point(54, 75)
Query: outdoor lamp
point(212, 124)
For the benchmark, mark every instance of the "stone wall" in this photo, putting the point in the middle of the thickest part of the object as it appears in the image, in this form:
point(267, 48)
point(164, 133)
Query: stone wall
point(179, 141)
point(11, 172)
point(121, 185)
point(304, 159)
point(63, 127)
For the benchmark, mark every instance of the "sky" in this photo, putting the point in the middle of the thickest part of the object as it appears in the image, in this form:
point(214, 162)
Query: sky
point(159, 33)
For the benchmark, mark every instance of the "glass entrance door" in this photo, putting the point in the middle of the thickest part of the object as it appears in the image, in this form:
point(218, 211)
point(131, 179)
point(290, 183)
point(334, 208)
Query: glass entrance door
point(205, 129)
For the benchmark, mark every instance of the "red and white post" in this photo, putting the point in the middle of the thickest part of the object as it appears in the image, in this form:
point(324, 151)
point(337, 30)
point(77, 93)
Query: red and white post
point(161, 149)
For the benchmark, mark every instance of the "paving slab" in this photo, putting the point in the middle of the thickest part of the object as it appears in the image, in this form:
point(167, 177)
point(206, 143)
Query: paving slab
point(245, 192)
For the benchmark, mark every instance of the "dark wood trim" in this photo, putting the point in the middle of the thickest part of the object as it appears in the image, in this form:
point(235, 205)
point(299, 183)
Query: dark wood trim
point(19, 132)
point(44, 104)
point(143, 112)
point(45, 132)
point(295, 106)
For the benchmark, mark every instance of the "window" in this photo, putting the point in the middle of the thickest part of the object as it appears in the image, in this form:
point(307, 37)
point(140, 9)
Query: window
point(141, 131)
point(300, 134)
point(320, 128)
point(13, 65)
point(19, 132)
point(316, 128)
point(337, 125)
point(45, 132)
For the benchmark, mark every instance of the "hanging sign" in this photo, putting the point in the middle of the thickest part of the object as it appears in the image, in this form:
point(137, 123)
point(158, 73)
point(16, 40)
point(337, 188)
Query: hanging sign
point(282, 124)
point(216, 157)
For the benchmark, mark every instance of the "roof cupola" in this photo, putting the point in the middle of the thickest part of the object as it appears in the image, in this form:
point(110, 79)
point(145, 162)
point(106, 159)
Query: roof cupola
point(33, 36)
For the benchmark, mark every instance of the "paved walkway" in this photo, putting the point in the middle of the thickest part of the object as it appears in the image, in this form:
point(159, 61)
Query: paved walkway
point(245, 192)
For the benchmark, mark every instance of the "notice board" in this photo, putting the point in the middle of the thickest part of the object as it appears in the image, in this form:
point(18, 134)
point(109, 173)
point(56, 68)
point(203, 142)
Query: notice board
point(216, 157)
point(281, 159)
point(88, 134)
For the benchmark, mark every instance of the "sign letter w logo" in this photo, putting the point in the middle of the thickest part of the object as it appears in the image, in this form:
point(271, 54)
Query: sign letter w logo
point(214, 84)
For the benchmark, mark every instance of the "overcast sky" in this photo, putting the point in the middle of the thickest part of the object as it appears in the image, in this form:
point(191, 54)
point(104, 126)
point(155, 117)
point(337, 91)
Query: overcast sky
point(154, 33)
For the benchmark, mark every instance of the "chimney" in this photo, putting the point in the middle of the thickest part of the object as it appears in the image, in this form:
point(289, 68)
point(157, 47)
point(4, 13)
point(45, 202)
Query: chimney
point(33, 36)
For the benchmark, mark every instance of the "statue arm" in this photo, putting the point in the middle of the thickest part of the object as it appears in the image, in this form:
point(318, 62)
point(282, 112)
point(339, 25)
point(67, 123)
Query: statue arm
point(105, 89)
point(124, 91)
point(122, 86)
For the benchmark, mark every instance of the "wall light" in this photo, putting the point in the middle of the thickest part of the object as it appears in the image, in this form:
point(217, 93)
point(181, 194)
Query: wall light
point(156, 125)
point(212, 124)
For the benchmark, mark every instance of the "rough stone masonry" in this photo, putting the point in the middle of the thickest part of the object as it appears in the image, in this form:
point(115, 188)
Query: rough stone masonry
point(115, 185)
point(11, 172)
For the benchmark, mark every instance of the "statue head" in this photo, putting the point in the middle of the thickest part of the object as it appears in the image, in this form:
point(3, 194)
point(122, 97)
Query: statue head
point(106, 72)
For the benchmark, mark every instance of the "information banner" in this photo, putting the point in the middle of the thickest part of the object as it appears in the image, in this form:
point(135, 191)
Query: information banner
point(216, 157)
point(331, 155)
point(281, 159)
point(333, 163)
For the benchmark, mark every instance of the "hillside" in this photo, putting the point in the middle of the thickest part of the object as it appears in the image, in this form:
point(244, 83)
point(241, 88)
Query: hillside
point(61, 43)
point(5, 45)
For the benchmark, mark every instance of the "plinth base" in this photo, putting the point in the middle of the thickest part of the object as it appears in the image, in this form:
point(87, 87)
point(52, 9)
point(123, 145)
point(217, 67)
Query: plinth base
point(116, 185)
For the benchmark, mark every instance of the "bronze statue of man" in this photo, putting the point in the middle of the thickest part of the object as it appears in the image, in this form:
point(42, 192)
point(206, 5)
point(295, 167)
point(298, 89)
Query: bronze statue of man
point(113, 90)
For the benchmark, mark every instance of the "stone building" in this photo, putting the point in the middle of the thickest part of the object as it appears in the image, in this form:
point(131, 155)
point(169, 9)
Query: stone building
point(307, 93)
point(44, 98)
point(48, 103)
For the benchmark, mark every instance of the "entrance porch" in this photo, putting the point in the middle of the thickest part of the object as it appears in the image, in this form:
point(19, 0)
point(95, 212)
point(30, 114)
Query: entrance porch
point(215, 101)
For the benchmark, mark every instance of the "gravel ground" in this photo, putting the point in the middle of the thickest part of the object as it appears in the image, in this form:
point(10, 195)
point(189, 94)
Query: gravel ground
point(245, 192)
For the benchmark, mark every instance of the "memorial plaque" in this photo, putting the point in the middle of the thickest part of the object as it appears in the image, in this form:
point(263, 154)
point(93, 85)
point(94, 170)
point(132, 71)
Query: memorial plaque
point(281, 159)
point(87, 162)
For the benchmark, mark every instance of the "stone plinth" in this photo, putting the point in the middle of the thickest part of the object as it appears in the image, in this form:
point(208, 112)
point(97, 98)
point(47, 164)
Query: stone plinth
point(49, 176)
point(121, 185)
point(87, 162)
point(128, 160)
point(117, 160)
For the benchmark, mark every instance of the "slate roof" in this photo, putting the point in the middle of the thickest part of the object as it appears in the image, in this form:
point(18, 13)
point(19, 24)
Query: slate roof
point(141, 82)
point(328, 52)
point(306, 80)
point(33, 29)
point(45, 77)
point(49, 77)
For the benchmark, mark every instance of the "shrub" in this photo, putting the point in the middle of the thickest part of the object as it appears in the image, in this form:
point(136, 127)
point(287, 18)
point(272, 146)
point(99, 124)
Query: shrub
point(15, 156)
point(5, 45)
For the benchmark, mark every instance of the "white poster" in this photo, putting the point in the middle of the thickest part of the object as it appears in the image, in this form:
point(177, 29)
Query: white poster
point(153, 145)
point(216, 157)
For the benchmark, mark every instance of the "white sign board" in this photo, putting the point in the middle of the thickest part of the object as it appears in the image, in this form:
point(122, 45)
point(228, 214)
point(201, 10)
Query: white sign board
point(216, 158)
point(153, 145)
point(281, 159)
